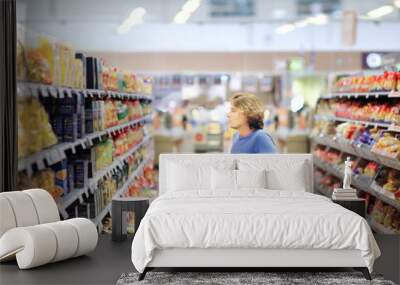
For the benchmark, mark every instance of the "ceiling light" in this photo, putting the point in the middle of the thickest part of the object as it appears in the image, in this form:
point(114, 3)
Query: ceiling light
point(397, 3)
point(319, 19)
point(381, 11)
point(181, 17)
point(285, 29)
point(135, 18)
point(191, 5)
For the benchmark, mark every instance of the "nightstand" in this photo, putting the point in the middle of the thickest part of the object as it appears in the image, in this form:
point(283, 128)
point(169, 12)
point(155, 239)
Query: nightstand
point(119, 207)
point(357, 206)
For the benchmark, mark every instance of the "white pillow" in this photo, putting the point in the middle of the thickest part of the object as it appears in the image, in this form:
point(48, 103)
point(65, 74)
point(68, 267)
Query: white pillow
point(284, 172)
point(280, 180)
point(251, 178)
point(182, 177)
point(223, 179)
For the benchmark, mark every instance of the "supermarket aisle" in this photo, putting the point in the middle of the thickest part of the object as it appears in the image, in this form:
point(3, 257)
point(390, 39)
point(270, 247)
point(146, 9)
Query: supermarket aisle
point(103, 266)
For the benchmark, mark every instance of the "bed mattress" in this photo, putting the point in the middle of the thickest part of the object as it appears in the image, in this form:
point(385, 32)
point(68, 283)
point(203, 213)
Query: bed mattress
point(250, 219)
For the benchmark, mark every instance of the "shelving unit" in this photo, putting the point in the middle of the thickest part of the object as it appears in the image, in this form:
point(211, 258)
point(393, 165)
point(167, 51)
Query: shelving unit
point(342, 147)
point(42, 159)
point(359, 150)
point(66, 201)
point(378, 228)
point(44, 90)
point(358, 183)
point(120, 191)
point(57, 153)
point(365, 123)
point(366, 95)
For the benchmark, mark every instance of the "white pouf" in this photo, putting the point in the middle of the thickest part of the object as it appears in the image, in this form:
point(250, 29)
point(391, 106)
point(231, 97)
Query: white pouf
point(31, 232)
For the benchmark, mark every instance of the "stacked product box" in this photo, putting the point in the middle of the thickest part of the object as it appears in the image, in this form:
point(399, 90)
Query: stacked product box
point(67, 117)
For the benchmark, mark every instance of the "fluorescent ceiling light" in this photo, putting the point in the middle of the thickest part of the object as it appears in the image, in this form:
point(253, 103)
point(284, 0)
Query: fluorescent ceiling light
point(397, 3)
point(181, 17)
point(191, 5)
point(285, 29)
point(187, 10)
point(134, 18)
point(381, 11)
point(320, 19)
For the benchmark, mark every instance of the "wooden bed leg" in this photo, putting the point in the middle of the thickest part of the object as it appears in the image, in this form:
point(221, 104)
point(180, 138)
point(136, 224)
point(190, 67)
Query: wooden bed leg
point(143, 274)
point(364, 271)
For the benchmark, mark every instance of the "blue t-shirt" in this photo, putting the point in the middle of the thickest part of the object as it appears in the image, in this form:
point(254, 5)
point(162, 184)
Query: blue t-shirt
point(257, 141)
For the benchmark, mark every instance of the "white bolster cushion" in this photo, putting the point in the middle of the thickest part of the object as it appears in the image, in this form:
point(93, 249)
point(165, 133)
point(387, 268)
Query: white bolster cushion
point(67, 240)
point(7, 218)
point(23, 208)
point(45, 205)
point(33, 246)
point(87, 235)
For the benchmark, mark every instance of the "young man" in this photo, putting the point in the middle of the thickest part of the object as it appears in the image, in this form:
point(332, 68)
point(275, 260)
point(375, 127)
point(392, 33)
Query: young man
point(247, 116)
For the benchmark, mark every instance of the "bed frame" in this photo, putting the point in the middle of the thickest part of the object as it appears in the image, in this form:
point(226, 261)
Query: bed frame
point(242, 259)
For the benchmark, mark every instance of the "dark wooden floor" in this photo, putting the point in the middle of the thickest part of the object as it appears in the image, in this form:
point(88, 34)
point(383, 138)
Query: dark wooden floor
point(103, 266)
point(110, 259)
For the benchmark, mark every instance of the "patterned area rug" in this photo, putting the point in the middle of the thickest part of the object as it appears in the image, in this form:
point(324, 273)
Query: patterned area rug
point(225, 278)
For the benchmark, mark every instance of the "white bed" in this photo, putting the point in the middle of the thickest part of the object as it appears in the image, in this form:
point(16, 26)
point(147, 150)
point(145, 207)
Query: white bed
point(221, 225)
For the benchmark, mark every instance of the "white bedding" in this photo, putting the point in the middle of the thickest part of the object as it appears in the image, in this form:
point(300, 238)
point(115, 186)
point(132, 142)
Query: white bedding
point(251, 218)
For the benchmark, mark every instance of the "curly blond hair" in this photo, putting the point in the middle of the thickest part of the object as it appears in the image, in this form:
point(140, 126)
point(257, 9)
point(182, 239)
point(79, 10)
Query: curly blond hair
point(252, 107)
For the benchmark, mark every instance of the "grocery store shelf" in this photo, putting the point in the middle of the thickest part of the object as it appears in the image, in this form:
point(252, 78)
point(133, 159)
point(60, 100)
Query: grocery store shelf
point(371, 188)
point(120, 191)
point(56, 153)
point(77, 193)
point(365, 123)
point(378, 228)
point(359, 150)
point(327, 167)
point(360, 95)
point(118, 161)
point(60, 92)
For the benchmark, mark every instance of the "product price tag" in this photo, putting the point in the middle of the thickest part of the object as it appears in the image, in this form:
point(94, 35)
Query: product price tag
point(69, 92)
point(43, 91)
point(40, 163)
point(53, 91)
point(374, 186)
point(61, 93)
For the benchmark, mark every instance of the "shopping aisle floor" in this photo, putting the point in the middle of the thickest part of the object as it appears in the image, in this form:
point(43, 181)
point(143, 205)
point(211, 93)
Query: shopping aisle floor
point(103, 266)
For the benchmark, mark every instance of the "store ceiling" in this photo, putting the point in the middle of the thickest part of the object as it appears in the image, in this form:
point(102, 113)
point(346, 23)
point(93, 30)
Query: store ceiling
point(208, 11)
